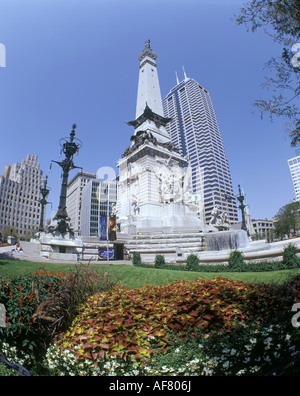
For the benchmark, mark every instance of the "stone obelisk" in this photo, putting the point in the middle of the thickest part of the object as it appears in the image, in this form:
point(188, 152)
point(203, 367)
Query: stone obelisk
point(154, 192)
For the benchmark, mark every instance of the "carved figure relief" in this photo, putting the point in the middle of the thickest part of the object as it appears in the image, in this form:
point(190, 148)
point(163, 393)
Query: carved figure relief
point(219, 218)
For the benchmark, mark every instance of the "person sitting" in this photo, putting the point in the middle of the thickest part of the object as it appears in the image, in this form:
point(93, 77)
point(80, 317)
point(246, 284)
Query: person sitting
point(18, 247)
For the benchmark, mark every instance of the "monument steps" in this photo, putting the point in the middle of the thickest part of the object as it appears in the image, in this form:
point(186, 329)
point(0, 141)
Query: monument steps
point(175, 247)
point(181, 245)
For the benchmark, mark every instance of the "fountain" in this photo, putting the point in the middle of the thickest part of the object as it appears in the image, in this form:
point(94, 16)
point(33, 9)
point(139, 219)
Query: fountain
point(226, 240)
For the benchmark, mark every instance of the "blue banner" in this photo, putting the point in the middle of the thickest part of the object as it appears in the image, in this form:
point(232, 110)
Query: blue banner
point(102, 254)
point(103, 228)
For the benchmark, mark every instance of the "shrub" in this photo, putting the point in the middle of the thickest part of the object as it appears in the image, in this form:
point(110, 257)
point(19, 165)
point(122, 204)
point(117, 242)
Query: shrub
point(192, 262)
point(21, 294)
point(252, 349)
point(136, 259)
point(130, 324)
point(41, 304)
point(236, 260)
point(159, 261)
point(267, 348)
point(288, 292)
point(57, 312)
point(289, 256)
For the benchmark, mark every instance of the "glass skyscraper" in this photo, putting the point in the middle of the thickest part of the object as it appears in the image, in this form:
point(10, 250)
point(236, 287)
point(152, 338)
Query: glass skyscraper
point(194, 130)
point(98, 198)
point(294, 165)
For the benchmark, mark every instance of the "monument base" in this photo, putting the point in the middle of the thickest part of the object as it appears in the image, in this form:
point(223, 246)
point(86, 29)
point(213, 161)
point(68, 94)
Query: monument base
point(59, 247)
point(174, 246)
point(177, 246)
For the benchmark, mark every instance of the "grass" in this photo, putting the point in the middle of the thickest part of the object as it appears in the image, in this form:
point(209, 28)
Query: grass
point(18, 266)
point(256, 277)
point(135, 277)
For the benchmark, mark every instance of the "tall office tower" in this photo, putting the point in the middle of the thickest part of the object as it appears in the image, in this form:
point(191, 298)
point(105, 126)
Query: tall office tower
point(98, 200)
point(194, 130)
point(74, 198)
point(19, 193)
point(294, 165)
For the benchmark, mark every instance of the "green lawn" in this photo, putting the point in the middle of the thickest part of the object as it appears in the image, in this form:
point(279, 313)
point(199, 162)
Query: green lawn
point(135, 277)
point(17, 266)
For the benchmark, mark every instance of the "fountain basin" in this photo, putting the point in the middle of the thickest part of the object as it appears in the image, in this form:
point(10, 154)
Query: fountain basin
point(253, 252)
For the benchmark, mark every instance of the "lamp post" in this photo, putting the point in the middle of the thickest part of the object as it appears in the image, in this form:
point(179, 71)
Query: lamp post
point(43, 201)
point(69, 148)
point(242, 206)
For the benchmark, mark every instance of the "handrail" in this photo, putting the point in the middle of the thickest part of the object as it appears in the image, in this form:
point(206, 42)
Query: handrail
point(15, 366)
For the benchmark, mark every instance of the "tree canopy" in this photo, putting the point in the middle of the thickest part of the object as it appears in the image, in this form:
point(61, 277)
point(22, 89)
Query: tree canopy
point(287, 220)
point(280, 19)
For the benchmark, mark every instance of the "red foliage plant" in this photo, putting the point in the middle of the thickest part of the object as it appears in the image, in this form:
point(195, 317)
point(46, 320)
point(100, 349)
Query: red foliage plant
point(21, 294)
point(134, 322)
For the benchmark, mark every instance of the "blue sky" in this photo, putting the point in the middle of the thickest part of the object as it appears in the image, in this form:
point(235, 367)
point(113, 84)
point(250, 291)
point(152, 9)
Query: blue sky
point(75, 61)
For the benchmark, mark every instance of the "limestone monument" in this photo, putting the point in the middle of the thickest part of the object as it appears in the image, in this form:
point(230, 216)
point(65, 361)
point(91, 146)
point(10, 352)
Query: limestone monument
point(154, 192)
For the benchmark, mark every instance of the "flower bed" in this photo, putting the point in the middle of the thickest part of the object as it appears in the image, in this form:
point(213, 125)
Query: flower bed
point(21, 294)
point(253, 349)
point(38, 305)
point(119, 332)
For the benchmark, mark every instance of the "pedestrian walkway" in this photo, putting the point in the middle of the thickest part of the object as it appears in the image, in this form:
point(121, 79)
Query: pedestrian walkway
point(31, 252)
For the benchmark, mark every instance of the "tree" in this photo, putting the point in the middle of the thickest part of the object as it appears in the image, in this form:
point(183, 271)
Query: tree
point(287, 219)
point(9, 230)
point(280, 20)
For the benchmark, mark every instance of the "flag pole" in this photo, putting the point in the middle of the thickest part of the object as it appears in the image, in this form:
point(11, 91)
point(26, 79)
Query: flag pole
point(107, 222)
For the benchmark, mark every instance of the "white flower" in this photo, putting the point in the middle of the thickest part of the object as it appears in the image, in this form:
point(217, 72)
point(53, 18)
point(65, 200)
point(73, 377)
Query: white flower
point(226, 364)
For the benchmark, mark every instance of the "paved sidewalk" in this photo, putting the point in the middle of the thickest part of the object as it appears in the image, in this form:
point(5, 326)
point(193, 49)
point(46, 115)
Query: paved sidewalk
point(31, 252)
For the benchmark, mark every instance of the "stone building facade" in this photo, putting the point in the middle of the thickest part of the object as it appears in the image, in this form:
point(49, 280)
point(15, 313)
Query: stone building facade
point(20, 187)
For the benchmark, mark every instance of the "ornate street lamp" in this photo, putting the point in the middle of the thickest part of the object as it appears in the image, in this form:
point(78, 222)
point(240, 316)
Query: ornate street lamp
point(43, 201)
point(242, 206)
point(69, 148)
